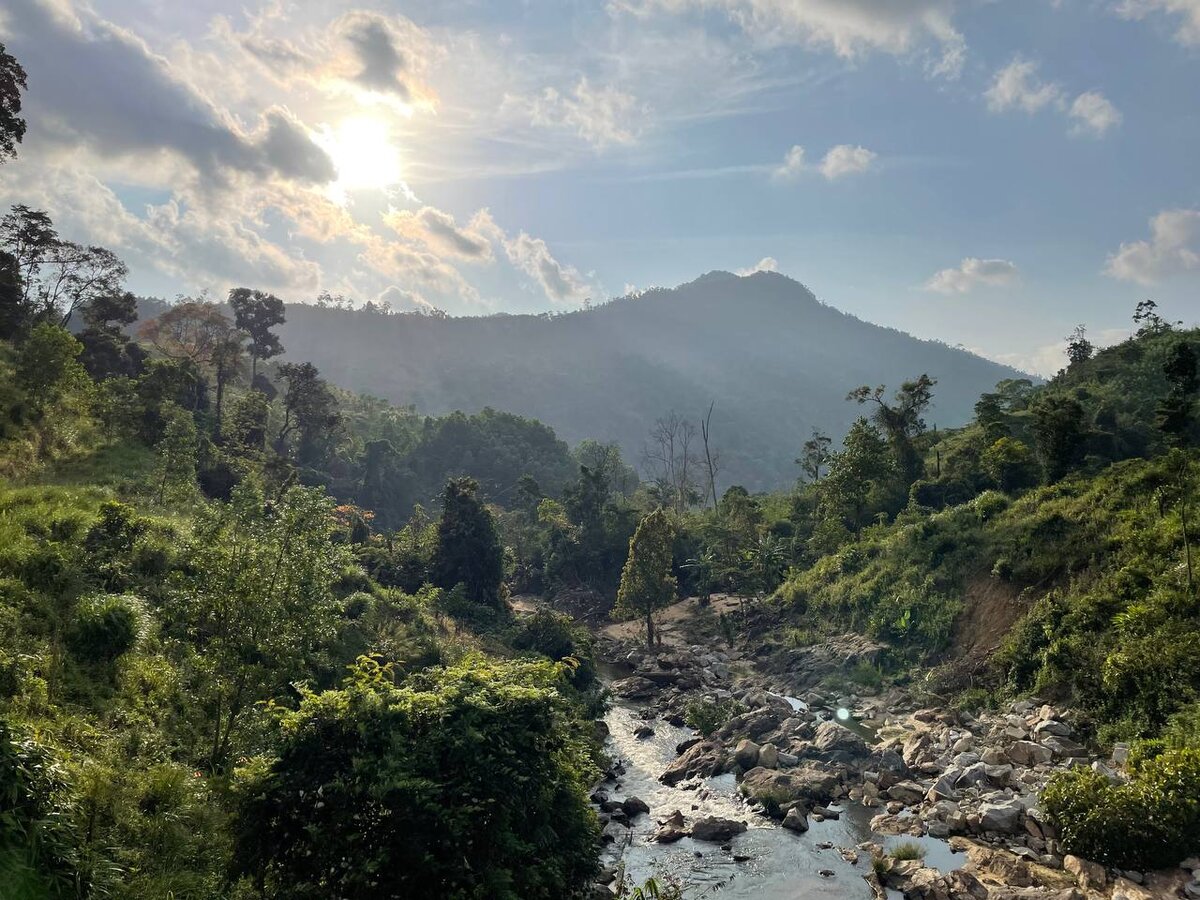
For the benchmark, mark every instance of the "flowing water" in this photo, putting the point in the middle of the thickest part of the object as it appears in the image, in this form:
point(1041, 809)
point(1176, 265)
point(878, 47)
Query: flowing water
point(777, 864)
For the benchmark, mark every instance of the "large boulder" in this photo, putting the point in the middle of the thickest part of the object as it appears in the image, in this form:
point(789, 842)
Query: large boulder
point(768, 756)
point(715, 829)
point(832, 737)
point(701, 760)
point(1027, 753)
point(796, 820)
point(1003, 817)
point(805, 784)
point(906, 792)
point(633, 688)
point(745, 754)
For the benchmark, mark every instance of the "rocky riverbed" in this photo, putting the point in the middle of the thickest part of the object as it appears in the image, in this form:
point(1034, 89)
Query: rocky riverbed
point(804, 796)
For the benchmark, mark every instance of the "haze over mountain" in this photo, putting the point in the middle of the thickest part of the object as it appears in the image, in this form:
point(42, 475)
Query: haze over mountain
point(775, 360)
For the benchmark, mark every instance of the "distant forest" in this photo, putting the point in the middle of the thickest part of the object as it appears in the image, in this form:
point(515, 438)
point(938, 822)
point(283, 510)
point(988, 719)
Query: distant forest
point(771, 359)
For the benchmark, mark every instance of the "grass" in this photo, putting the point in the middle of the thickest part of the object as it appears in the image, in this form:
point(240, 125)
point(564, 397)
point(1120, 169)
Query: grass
point(906, 850)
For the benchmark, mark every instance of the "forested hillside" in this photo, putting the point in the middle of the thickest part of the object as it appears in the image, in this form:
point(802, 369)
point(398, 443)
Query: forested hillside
point(774, 360)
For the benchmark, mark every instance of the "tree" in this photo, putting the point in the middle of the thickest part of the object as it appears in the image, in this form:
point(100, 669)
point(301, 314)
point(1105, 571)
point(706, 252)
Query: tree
point(647, 583)
point(1079, 348)
point(12, 126)
point(1176, 413)
point(310, 411)
point(1147, 319)
point(256, 601)
point(1009, 463)
point(711, 457)
point(468, 550)
point(106, 350)
point(47, 365)
point(669, 457)
point(1058, 427)
point(56, 276)
point(463, 782)
point(175, 472)
point(815, 455)
point(856, 472)
point(256, 313)
point(901, 420)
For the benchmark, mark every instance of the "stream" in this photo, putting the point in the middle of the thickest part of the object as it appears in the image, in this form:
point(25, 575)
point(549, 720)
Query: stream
point(775, 864)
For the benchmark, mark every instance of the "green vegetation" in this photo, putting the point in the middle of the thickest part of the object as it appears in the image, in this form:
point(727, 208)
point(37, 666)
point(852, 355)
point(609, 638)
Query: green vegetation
point(906, 850)
point(1148, 823)
point(707, 716)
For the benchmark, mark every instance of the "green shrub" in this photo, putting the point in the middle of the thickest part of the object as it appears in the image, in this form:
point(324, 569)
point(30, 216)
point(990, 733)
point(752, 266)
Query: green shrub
point(1150, 822)
point(907, 850)
point(106, 625)
point(707, 716)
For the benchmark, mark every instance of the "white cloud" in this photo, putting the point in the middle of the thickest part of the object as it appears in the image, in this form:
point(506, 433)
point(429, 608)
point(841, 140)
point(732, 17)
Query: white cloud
point(766, 264)
point(972, 273)
point(844, 159)
point(851, 28)
point(1048, 359)
point(601, 116)
point(439, 231)
point(562, 283)
point(1017, 86)
point(1173, 248)
point(1188, 31)
point(1094, 114)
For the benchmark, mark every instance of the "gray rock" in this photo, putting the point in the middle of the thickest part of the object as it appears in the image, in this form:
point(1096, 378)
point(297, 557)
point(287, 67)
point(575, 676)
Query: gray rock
point(803, 783)
point(1003, 817)
point(634, 806)
point(1054, 727)
point(704, 760)
point(746, 754)
point(716, 829)
point(832, 737)
point(1027, 753)
point(795, 820)
point(906, 792)
point(768, 756)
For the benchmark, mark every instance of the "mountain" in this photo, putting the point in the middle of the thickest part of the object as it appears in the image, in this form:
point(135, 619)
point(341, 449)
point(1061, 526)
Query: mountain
point(775, 361)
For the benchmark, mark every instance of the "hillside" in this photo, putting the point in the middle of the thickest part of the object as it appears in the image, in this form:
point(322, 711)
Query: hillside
point(775, 360)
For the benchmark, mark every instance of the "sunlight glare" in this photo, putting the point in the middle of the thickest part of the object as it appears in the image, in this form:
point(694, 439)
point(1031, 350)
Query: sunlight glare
point(363, 154)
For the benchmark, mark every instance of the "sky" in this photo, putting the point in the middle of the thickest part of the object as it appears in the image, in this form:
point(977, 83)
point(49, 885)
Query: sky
point(986, 173)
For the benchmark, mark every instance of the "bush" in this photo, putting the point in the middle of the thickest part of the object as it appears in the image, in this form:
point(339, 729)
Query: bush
point(907, 850)
point(379, 791)
point(106, 625)
point(1150, 822)
point(707, 716)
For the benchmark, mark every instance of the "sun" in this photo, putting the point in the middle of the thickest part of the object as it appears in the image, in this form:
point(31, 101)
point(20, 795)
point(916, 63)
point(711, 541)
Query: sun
point(363, 154)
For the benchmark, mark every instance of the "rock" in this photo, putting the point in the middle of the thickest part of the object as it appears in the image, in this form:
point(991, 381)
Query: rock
point(943, 788)
point(1003, 817)
point(826, 813)
point(826, 873)
point(670, 829)
point(746, 754)
point(787, 760)
point(633, 687)
point(687, 744)
point(795, 820)
point(715, 829)
point(832, 737)
point(1120, 755)
point(993, 756)
point(1054, 727)
point(915, 748)
point(1027, 753)
point(634, 806)
point(908, 792)
point(804, 783)
point(768, 756)
point(700, 760)
point(1064, 748)
point(642, 732)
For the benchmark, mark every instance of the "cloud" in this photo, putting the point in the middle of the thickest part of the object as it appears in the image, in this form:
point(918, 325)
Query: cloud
point(972, 273)
point(440, 232)
point(1173, 248)
point(562, 283)
point(602, 116)
point(1094, 114)
point(404, 300)
point(1188, 31)
point(1048, 359)
point(844, 159)
point(766, 264)
point(101, 86)
point(382, 65)
point(851, 28)
point(1017, 86)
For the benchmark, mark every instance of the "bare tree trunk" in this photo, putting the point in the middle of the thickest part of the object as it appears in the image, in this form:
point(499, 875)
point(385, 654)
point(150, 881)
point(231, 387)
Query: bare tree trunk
point(709, 457)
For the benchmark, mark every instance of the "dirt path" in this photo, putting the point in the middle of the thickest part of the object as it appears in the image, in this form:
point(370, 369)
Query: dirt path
point(674, 622)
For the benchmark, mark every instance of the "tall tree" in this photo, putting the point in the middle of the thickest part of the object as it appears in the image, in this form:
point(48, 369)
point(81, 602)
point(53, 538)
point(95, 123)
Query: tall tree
point(647, 583)
point(12, 126)
point(256, 313)
point(1058, 427)
point(711, 457)
point(1079, 348)
point(1177, 411)
point(814, 455)
point(310, 414)
point(670, 457)
point(175, 455)
point(856, 472)
point(902, 420)
point(468, 550)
